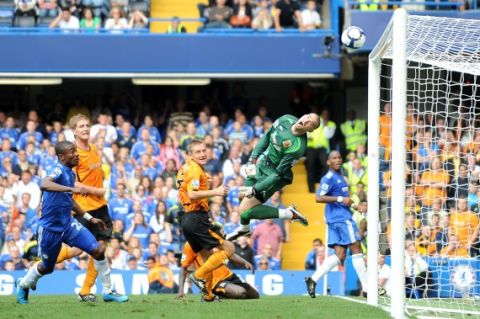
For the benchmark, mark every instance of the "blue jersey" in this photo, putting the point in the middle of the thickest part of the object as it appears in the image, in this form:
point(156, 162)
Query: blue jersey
point(120, 207)
point(10, 133)
point(334, 184)
point(232, 196)
point(143, 234)
point(23, 139)
point(57, 206)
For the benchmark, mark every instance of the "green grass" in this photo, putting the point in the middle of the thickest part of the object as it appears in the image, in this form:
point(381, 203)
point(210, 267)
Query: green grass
point(165, 306)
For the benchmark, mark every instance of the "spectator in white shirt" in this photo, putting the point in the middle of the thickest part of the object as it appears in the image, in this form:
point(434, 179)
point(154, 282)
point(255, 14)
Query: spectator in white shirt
point(262, 16)
point(116, 20)
point(25, 8)
point(65, 20)
point(416, 271)
point(384, 271)
point(25, 185)
point(310, 17)
point(117, 255)
point(103, 124)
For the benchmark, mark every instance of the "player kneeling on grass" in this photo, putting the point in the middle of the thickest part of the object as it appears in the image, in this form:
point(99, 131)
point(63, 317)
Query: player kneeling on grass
point(57, 226)
point(226, 284)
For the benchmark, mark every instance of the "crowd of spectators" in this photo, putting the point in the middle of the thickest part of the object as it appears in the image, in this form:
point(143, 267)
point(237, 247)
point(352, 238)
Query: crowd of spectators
point(442, 196)
point(140, 163)
point(82, 14)
point(262, 14)
point(123, 15)
point(252, 14)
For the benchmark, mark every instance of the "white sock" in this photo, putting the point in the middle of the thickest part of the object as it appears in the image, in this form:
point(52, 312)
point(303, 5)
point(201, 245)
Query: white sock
point(104, 272)
point(31, 278)
point(285, 213)
point(359, 265)
point(329, 263)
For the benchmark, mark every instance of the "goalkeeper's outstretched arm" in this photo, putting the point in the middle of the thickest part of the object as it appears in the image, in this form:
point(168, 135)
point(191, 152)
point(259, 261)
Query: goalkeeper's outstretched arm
point(261, 146)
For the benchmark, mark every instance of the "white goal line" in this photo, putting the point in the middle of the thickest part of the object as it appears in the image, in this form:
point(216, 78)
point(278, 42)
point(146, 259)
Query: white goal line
point(439, 310)
point(431, 309)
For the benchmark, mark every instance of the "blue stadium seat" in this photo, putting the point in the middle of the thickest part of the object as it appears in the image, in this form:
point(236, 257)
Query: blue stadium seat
point(44, 22)
point(6, 13)
point(24, 22)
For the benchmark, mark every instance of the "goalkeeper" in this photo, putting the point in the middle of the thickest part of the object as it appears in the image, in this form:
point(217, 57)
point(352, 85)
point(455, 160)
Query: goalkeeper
point(270, 169)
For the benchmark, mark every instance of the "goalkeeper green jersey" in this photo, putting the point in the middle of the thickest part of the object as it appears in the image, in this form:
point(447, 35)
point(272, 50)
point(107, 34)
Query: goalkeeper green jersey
point(279, 148)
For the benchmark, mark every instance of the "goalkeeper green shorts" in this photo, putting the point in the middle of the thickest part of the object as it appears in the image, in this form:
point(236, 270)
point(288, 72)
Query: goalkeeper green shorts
point(264, 170)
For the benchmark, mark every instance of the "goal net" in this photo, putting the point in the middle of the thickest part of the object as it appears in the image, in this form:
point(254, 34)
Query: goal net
point(425, 158)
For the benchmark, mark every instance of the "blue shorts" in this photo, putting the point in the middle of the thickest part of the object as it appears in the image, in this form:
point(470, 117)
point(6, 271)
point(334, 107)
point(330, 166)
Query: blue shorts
point(342, 233)
point(50, 242)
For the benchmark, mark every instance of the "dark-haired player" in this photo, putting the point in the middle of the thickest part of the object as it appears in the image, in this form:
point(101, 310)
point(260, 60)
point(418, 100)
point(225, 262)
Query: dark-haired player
point(57, 226)
point(342, 229)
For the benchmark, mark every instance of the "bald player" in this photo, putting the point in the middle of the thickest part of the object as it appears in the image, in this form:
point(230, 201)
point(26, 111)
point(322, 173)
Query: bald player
point(270, 169)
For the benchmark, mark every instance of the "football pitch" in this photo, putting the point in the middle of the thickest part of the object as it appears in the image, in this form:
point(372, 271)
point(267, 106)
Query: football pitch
point(165, 306)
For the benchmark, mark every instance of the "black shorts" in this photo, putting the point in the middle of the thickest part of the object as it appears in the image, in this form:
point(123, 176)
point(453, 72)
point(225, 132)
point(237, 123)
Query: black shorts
point(100, 213)
point(200, 232)
point(219, 289)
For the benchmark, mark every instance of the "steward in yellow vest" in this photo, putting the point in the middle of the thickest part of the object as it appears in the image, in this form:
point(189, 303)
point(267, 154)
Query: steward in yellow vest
point(318, 146)
point(355, 132)
point(176, 26)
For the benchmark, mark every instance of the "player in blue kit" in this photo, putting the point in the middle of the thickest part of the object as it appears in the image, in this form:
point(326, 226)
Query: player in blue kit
point(57, 226)
point(342, 230)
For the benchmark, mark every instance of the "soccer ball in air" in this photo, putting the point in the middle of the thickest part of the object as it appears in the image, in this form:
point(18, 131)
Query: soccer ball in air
point(353, 38)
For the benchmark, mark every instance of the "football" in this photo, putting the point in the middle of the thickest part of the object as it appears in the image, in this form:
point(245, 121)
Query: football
point(353, 38)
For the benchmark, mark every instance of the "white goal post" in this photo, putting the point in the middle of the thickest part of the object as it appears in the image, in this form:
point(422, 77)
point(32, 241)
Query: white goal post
point(431, 64)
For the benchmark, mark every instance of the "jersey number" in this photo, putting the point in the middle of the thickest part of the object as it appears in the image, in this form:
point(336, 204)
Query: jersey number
point(76, 225)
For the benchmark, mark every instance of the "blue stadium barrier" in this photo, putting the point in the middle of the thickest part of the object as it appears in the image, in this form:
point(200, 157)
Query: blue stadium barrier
point(268, 283)
point(204, 53)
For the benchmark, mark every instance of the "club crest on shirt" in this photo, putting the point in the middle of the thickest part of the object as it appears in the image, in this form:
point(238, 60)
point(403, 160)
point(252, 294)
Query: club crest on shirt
point(195, 183)
point(287, 143)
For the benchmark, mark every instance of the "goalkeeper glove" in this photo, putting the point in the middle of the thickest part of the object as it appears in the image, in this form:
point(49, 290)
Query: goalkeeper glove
point(247, 191)
point(249, 170)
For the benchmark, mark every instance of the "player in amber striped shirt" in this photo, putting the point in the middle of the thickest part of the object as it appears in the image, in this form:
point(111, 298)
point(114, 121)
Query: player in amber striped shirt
point(197, 228)
point(89, 175)
point(225, 283)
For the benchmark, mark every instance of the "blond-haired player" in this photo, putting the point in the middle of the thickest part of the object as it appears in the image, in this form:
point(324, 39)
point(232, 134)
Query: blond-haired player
point(89, 175)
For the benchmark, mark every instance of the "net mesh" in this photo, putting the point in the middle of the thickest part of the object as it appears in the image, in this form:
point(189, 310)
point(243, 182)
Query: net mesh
point(442, 265)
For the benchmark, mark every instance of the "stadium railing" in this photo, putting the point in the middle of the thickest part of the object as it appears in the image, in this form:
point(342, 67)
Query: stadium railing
point(43, 30)
point(232, 31)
